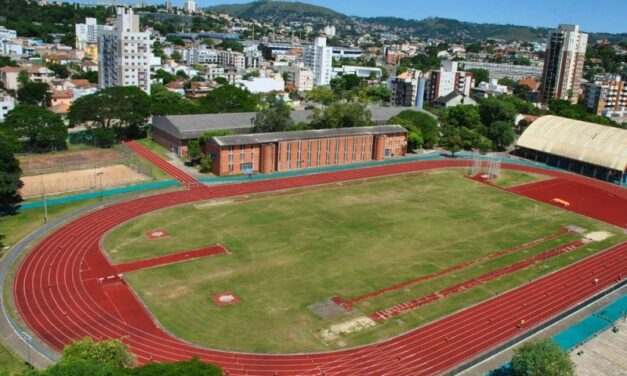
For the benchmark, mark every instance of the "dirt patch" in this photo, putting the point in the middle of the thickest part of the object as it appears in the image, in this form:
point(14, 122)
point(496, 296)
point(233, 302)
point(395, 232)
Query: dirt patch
point(347, 327)
point(66, 160)
point(597, 236)
point(78, 180)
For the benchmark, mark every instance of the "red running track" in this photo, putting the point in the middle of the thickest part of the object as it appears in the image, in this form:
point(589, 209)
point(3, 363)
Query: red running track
point(170, 259)
point(167, 167)
point(58, 295)
point(591, 201)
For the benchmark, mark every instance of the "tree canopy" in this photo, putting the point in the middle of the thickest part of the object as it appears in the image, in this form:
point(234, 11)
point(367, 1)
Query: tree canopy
point(341, 115)
point(542, 358)
point(578, 112)
point(10, 172)
point(479, 75)
point(415, 121)
point(228, 98)
point(114, 107)
point(276, 117)
point(111, 353)
point(322, 95)
point(44, 130)
point(34, 94)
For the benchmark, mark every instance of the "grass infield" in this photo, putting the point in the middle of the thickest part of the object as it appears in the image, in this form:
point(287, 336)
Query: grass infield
point(292, 250)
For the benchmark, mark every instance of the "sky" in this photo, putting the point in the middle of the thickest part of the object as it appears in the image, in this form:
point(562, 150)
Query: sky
point(591, 15)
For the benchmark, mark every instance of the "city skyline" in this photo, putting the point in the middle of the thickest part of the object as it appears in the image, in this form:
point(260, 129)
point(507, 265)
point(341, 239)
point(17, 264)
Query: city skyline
point(527, 13)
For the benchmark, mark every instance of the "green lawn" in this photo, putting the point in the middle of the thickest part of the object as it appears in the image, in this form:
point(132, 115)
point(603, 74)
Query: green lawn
point(293, 250)
point(10, 364)
point(510, 178)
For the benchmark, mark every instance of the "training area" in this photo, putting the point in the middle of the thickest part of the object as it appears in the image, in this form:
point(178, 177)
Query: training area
point(288, 252)
point(404, 268)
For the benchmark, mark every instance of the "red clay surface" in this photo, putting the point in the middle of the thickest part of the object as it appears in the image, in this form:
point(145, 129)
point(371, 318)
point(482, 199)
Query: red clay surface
point(591, 201)
point(157, 234)
point(419, 302)
point(348, 304)
point(58, 296)
point(170, 259)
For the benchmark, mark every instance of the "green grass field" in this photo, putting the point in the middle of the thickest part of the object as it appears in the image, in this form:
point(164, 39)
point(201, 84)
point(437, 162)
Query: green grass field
point(510, 178)
point(293, 250)
point(10, 364)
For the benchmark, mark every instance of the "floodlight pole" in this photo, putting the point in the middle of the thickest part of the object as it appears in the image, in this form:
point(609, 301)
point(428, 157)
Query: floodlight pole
point(99, 174)
point(45, 205)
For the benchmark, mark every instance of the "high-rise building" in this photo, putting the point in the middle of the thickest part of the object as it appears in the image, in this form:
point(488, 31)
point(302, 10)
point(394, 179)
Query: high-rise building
point(408, 89)
point(448, 80)
point(124, 53)
point(87, 33)
point(607, 97)
point(168, 6)
point(319, 57)
point(190, 6)
point(563, 64)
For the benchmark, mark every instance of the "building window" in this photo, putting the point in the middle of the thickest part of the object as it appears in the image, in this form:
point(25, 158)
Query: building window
point(345, 149)
point(309, 153)
point(363, 147)
point(354, 148)
point(289, 155)
point(328, 151)
point(337, 150)
point(231, 167)
point(319, 151)
point(299, 154)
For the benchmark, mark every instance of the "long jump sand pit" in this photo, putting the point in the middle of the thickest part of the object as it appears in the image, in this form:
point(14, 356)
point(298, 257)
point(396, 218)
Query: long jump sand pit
point(78, 180)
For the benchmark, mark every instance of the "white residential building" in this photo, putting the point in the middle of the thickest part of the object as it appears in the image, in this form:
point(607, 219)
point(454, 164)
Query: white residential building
point(87, 33)
point(448, 80)
point(190, 6)
point(329, 31)
point(302, 78)
point(361, 72)
point(7, 103)
point(319, 57)
point(262, 84)
point(233, 59)
point(124, 53)
point(7, 34)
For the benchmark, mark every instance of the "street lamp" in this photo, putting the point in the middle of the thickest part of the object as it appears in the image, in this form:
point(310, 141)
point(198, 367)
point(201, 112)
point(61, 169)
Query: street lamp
point(28, 339)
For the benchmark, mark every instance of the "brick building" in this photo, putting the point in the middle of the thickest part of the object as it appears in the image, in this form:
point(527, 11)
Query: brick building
point(284, 151)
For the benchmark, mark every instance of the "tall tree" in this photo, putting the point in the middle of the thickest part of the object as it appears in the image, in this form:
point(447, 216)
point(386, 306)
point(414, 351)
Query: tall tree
point(542, 358)
point(276, 117)
point(10, 172)
point(479, 75)
point(228, 98)
point(44, 130)
point(494, 109)
point(34, 94)
point(501, 133)
point(419, 121)
point(114, 107)
point(342, 115)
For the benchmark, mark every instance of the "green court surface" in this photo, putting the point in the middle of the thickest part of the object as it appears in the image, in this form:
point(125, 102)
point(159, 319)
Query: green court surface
point(291, 250)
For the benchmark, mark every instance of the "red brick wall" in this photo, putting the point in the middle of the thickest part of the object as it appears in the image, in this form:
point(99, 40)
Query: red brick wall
point(284, 155)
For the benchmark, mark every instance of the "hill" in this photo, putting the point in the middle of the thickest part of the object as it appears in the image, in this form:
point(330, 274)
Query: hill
point(269, 8)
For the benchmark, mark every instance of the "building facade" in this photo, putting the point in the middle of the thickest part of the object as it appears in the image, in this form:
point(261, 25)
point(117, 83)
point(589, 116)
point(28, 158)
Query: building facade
point(287, 151)
point(607, 97)
point(498, 70)
point(302, 78)
point(87, 33)
point(190, 6)
point(447, 80)
point(563, 64)
point(124, 53)
point(319, 57)
point(405, 88)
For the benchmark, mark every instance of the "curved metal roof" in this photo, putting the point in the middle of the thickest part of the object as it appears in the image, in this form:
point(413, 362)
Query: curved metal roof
point(579, 140)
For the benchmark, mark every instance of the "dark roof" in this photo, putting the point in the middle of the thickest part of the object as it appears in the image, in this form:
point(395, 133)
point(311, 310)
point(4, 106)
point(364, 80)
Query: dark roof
point(448, 97)
point(262, 138)
point(186, 127)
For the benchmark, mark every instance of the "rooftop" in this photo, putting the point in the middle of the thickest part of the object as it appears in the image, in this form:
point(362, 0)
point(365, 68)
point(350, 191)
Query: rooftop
point(261, 138)
point(193, 126)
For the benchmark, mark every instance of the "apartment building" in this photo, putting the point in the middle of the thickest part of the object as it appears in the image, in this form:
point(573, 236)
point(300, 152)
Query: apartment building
point(498, 71)
point(607, 97)
point(124, 53)
point(299, 76)
point(563, 64)
point(447, 80)
point(87, 33)
point(319, 57)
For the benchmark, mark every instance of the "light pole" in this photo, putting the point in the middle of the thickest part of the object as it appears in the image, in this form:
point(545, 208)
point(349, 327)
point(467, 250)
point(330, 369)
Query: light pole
point(99, 174)
point(45, 202)
point(28, 339)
